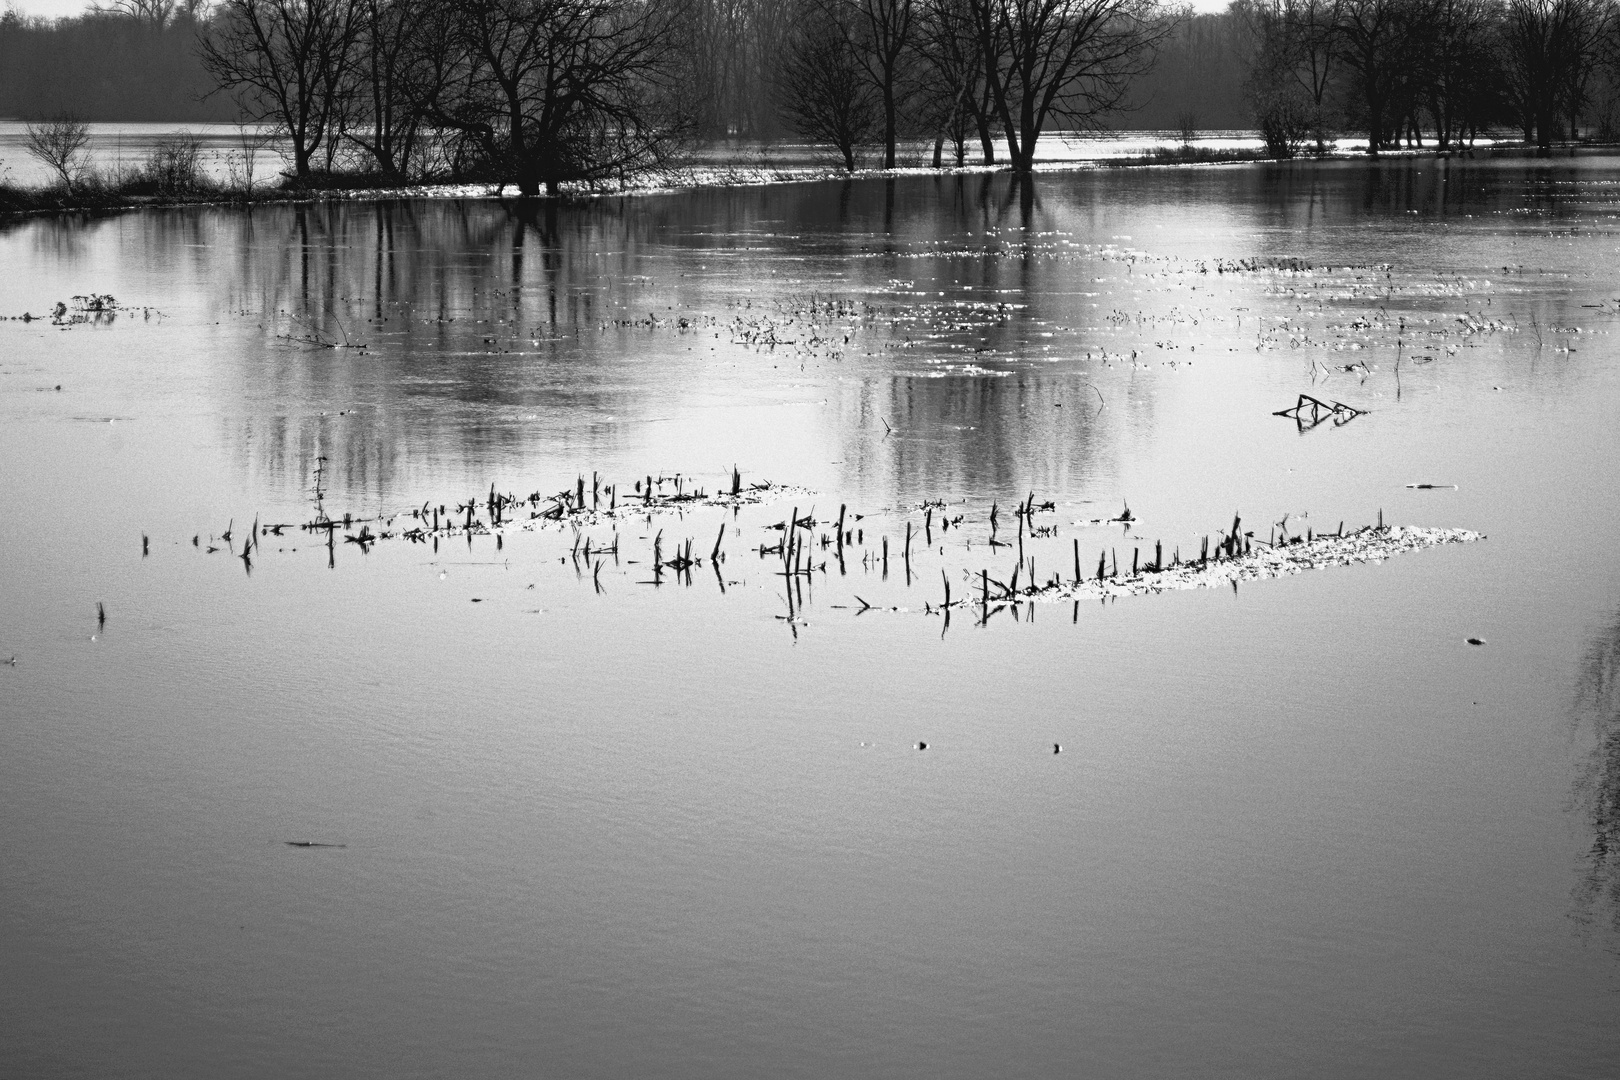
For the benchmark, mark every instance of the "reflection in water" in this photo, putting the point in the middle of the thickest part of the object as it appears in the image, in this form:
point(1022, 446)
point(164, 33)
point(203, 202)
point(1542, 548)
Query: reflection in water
point(484, 332)
point(1597, 792)
point(470, 337)
point(975, 435)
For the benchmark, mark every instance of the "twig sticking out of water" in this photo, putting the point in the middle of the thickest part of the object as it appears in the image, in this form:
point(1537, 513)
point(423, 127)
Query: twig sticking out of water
point(1319, 412)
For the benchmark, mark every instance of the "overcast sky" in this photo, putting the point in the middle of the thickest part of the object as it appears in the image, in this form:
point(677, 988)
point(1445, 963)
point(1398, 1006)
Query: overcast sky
point(55, 8)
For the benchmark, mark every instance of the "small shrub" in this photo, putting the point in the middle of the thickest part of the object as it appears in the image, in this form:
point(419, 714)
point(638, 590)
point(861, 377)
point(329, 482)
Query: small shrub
point(174, 167)
point(1187, 127)
point(1285, 122)
point(62, 146)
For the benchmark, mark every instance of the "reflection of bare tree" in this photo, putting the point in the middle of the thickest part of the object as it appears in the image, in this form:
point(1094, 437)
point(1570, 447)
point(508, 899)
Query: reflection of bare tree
point(501, 337)
point(1597, 792)
point(972, 434)
point(463, 307)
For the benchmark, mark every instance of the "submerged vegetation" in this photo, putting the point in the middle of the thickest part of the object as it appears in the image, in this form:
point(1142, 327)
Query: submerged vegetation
point(804, 550)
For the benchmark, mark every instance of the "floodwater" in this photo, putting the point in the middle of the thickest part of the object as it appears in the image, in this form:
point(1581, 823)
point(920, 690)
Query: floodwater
point(593, 826)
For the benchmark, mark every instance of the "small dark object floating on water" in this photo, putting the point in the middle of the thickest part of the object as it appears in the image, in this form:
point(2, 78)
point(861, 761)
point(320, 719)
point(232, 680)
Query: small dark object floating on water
point(1476, 641)
point(922, 746)
point(310, 843)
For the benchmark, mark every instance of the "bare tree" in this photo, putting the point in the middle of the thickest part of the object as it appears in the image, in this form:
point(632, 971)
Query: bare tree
point(1463, 67)
point(1315, 23)
point(1551, 49)
point(288, 62)
point(949, 44)
point(557, 90)
point(881, 34)
point(1289, 70)
point(822, 88)
point(242, 162)
point(400, 67)
point(154, 12)
point(60, 145)
point(1063, 62)
point(1377, 43)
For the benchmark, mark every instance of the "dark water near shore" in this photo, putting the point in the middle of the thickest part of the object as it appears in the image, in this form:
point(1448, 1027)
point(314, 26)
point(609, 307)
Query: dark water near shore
point(594, 827)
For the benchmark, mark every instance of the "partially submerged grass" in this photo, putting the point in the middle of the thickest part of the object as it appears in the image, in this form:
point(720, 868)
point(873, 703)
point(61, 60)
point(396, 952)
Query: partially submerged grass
point(1372, 544)
point(807, 548)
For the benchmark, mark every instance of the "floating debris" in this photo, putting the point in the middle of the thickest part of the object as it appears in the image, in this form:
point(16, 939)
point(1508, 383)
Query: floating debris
point(1320, 411)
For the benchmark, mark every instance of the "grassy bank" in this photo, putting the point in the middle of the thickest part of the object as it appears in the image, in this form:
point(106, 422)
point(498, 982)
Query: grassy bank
point(92, 192)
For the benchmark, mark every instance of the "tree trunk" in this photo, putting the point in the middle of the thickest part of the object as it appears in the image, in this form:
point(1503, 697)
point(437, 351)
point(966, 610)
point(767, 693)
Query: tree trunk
point(1028, 132)
point(1375, 121)
point(1023, 158)
point(889, 124)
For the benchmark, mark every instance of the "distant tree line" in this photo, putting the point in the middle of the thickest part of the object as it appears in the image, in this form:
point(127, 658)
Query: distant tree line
point(541, 92)
point(1397, 69)
point(989, 74)
point(108, 64)
point(538, 93)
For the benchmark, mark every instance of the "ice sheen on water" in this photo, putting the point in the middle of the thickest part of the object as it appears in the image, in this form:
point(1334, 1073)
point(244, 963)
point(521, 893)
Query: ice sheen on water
point(1302, 829)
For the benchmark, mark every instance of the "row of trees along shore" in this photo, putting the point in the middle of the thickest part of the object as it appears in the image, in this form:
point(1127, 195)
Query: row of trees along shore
point(539, 93)
point(542, 92)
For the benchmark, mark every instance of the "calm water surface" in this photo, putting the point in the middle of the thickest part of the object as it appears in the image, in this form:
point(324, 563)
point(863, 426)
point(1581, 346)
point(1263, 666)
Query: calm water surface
point(594, 827)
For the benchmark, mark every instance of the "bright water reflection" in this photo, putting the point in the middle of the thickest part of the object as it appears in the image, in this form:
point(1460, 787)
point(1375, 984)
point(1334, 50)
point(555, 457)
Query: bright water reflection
point(1302, 830)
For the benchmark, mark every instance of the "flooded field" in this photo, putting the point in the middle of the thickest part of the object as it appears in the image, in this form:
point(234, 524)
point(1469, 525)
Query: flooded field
point(228, 151)
point(745, 632)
